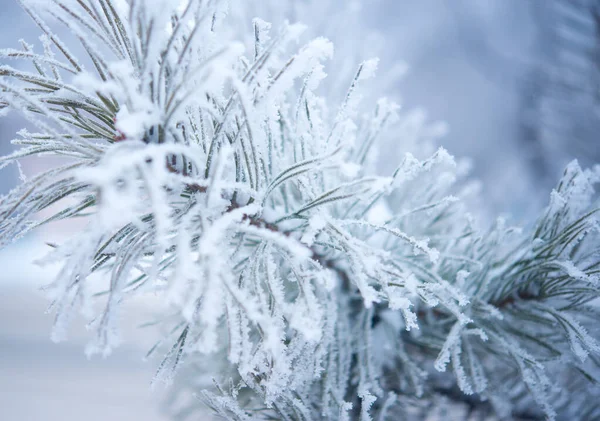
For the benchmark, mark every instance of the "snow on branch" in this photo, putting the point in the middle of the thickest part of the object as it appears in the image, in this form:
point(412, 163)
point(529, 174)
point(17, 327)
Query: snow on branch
point(210, 170)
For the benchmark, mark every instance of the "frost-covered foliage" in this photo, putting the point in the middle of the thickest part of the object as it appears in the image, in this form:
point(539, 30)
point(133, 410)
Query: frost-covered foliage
point(307, 284)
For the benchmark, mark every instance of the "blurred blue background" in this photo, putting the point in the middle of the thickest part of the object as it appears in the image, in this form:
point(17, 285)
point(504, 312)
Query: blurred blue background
point(516, 81)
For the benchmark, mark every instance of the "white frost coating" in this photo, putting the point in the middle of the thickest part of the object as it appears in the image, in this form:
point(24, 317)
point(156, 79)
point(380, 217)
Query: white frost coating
point(402, 303)
point(452, 341)
point(379, 214)
point(223, 173)
point(367, 400)
point(419, 246)
point(307, 59)
point(461, 277)
point(316, 224)
point(576, 273)
point(295, 248)
point(261, 35)
point(580, 340)
point(369, 69)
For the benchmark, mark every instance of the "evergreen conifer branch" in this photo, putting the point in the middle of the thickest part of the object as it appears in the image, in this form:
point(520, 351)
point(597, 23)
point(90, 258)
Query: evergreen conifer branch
point(318, 288)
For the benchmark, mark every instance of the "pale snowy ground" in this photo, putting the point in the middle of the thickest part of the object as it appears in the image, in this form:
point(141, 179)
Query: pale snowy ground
point(44, 381)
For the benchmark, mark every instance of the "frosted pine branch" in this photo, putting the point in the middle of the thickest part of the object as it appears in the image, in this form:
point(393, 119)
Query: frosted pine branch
point(304, 282)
